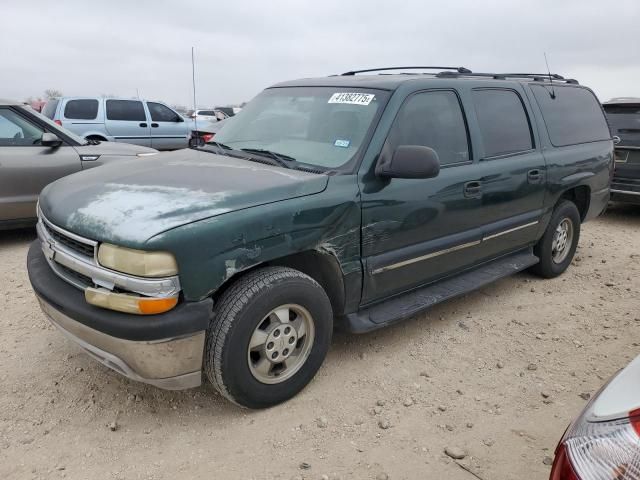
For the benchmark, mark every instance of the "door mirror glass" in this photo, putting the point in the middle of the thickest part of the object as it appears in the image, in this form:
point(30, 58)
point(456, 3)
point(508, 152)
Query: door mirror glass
point(50, 140)
point(410, 161)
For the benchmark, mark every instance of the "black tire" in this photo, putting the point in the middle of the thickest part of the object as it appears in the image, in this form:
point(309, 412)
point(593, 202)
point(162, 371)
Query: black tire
point(238, 313)
point(96, 138)
point(548, 267)
point(196, 142)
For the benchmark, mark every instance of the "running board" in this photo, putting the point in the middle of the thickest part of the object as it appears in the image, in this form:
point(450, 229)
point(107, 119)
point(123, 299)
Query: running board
point(409, 304)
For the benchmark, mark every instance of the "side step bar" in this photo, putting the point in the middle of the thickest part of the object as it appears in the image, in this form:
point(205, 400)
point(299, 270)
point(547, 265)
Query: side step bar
point(409, 304)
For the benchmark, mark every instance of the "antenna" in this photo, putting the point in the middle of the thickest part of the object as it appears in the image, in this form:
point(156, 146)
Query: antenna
point(193, 81)
point(553, 90)
point(137, 93)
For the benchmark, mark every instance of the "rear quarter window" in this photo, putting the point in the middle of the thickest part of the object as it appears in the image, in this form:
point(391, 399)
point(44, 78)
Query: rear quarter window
point(81, 109)
point(572, 115)
point(49, 109)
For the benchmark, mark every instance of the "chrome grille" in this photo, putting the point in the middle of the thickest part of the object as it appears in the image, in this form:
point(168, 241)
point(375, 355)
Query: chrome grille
point(74, 259)
point(74, 277)
point(81, 248)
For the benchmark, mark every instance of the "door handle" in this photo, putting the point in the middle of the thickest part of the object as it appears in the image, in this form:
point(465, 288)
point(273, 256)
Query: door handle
point(154, 125)
point(534, 176)
point(473, 189)
point(143, 124)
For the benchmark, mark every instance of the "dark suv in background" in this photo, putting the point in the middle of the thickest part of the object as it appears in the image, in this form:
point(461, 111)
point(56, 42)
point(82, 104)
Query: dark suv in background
point(623, 115)
point(351, 200)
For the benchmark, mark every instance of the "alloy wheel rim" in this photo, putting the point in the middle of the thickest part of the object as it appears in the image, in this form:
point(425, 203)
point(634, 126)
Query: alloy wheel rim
point(281, 343)
point(562, 241)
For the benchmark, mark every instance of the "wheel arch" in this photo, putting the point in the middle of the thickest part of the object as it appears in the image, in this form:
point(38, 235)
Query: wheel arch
point(323, 267)
point(581, 196)
point(97, 136)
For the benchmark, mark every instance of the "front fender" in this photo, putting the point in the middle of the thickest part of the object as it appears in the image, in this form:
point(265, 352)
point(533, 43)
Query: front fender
point(212, 251)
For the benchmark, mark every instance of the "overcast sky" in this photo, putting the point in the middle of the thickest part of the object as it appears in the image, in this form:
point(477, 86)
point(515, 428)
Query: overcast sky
point(114, 47)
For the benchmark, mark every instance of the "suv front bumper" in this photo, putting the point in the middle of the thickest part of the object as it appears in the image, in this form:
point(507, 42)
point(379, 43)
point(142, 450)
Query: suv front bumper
point(164, 350)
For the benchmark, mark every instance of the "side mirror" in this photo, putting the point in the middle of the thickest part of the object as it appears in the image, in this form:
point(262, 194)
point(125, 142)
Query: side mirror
point(410, 161)
point(616, 140)
point(50, 140)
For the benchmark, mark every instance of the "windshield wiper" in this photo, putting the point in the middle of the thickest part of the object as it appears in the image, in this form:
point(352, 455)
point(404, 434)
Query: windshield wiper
point(221, 147)
point(282, 159)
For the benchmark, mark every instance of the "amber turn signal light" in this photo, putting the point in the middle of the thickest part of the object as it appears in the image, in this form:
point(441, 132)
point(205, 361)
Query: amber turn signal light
point(121, 302)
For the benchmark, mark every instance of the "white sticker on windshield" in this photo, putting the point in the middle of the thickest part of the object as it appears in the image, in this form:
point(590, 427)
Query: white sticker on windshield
point(352, 98)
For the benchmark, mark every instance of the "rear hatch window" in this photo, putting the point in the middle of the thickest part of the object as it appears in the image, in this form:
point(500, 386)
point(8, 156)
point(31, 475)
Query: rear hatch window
point(624, 121)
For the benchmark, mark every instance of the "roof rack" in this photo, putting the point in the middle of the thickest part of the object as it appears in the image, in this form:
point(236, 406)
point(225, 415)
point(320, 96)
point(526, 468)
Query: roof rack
point(536, 77)
point(456, 72)
point(461, 70)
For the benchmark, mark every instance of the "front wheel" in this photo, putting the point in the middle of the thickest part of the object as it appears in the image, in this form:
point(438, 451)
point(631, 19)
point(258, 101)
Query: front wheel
point(559, 242)
point(270, 333)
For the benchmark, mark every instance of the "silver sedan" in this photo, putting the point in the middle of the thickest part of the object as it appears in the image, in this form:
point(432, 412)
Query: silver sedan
point(34, 152)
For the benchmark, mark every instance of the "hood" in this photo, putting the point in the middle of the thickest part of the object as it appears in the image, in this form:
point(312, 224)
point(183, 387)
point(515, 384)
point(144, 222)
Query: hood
point(113, 148)
point(131, 201)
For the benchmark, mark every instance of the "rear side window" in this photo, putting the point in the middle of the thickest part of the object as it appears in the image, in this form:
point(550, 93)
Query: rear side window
point(503, 121)
point(129, 110)
point(432, 119)
point(160, 113)
point(207, 113)
point(49, 109)
point(573, 116)
point(81, 109)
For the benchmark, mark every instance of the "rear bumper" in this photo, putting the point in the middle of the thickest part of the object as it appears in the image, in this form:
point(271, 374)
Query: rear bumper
point(164, 350)
point(624, 196)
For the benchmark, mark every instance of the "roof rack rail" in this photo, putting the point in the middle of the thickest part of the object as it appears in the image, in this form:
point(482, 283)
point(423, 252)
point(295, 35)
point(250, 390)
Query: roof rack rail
point(462, 70)
point(537, 77)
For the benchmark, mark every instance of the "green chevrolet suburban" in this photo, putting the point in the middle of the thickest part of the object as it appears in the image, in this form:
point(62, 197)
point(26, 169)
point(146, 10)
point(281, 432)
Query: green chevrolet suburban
point(352, 201)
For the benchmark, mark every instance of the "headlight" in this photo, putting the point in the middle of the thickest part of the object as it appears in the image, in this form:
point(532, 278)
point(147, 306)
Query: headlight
point(146, 154)
point(137, 262)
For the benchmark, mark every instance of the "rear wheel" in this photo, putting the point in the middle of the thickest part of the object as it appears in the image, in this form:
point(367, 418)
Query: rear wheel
point(270, 333)
point(95, 138)
point(559, 242)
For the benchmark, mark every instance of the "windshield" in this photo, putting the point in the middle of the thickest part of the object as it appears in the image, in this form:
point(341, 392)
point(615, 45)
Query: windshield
point(55, 126)
point(320, 126)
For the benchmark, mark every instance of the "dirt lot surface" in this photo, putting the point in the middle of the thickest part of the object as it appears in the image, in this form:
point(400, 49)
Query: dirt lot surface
point(497, 374)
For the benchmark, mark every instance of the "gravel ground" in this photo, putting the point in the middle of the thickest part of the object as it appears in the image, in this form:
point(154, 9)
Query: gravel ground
point(495, 375)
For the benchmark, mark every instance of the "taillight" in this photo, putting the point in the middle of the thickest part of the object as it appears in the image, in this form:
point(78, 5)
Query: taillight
point(58, 122)
point(562, 469)
point(207, 136)
point(604, 451)
point(604, 441)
